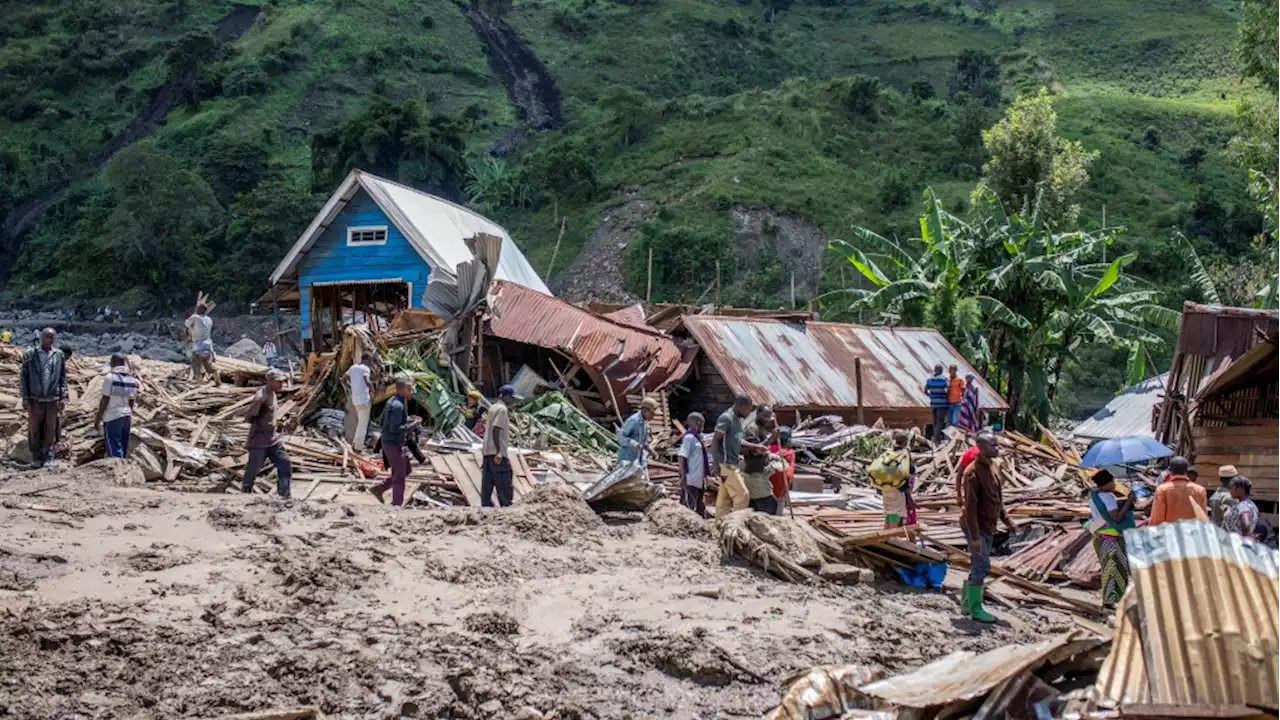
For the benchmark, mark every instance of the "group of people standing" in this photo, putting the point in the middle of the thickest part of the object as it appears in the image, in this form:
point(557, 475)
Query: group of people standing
point(953, 401)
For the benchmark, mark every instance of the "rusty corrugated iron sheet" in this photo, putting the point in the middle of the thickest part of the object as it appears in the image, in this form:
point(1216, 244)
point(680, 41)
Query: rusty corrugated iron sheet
point(963, 675)
point(811, 364)
point(631, 315)
point(1219, 332)
point(607, 350)
point(1208, 608)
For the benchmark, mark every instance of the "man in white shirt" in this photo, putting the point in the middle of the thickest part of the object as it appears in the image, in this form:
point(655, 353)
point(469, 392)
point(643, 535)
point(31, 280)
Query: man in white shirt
point(115, 410)
point(361, 403)
point(694, 464)
point(200, 327)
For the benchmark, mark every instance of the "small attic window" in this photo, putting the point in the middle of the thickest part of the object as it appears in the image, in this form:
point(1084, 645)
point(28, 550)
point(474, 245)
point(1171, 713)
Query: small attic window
point(367, 235)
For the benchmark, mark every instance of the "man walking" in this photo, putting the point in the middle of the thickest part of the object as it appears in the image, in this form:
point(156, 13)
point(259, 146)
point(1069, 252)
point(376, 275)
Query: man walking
point(937, 388)
point(1177, 497)
point(115, 410)
point(263, 442)
point(43, 386)
point(694, 464)
point(1222, 499)
point(983, 506)
point(200, 327)
point(361, 403)
point(496, 474)
point(634, 434)
point(396, 424)
point(727, 446)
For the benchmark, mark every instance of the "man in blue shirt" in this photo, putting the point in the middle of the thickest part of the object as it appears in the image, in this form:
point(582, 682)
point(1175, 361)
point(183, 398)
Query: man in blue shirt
point(936, 388)
point(634, 433)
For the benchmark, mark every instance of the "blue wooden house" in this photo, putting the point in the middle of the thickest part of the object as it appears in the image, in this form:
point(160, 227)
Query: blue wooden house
point(371, 250)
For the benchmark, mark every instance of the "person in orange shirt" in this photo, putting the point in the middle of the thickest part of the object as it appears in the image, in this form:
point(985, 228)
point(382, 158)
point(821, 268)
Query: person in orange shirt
point(1177, 497)
point(955, 396)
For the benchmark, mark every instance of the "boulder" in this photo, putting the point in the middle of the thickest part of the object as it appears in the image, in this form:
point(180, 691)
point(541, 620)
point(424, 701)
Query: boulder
point(246, 350)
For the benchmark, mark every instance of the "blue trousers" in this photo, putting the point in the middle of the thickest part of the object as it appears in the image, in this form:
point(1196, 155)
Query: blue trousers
point(980, 559)
point(117, 436)
point(953, 414)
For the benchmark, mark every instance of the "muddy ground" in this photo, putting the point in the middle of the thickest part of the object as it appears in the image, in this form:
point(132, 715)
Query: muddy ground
point(132, 602)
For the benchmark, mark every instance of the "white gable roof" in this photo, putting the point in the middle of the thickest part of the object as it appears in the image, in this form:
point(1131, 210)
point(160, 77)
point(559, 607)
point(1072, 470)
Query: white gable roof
point(437, 229)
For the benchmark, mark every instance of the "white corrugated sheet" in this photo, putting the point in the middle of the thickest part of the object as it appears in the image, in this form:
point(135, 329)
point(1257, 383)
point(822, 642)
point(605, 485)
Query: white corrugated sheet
point(1128, 413)
point(437, 228)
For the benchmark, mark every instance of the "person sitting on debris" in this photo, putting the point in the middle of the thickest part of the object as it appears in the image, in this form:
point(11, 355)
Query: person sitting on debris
point(983, 507)
point(43, 387)
point(1222, 499)
point(200, 327)
point(727, 446)
point(396, 424)
point(937, 388)
point(1109, 518)
point(634, 434)
point(471, 410)
point(263, 443)
point(496, 474)
point(1177, 497)
point(361, 388)
point(1242, 517)
point(115, 409)
point(890, 473)
point(695, 462)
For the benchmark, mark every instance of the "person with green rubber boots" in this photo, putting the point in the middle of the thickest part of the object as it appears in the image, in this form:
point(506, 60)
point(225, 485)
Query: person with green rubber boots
point(983, 507)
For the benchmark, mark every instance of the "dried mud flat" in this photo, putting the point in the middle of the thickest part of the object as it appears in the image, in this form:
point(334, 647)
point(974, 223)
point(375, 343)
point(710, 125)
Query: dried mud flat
point(130, 602)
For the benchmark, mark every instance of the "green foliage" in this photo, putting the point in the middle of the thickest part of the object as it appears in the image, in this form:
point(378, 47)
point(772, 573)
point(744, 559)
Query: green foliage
point(152, 222)
point(234, 163)
point(977, 74)
point(264, 223)
point(683, 255)
point(1031, 166)
point(921, 89)
point(492, 184)
point(632, 115)
point(560, 167)
point(858, 93)
point(396, 140)
point(1258, 42)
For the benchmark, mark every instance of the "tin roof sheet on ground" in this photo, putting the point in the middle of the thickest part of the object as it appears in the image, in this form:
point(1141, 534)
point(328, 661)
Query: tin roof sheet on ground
point(1207, 615)
point(811, 364)
point(1128, 413)
point(601, 345)
point(963, 675)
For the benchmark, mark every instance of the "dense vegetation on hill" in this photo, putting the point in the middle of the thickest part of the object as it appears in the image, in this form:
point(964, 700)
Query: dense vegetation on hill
point(152, 147)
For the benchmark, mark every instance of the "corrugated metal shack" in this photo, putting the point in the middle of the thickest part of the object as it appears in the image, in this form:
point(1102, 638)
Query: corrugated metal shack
point(822, 368)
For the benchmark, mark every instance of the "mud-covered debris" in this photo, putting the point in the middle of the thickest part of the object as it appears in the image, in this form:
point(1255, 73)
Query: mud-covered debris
point(553, 513)
point(226, 517)
point(687, 656)
point(668, 517)
point(491, 622)
point(20, 570)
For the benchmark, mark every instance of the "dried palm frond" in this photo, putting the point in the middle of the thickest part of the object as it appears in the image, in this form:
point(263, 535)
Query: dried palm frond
point(736, 538)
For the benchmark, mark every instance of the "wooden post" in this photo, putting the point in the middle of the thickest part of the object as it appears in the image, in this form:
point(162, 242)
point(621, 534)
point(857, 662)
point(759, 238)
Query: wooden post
point(793, 290)
point(648, 290)
point(857, 388)
point(555, 251)
point(717, 284)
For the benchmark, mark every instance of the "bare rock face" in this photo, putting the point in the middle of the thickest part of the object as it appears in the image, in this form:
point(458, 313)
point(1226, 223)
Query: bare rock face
point(796, 243)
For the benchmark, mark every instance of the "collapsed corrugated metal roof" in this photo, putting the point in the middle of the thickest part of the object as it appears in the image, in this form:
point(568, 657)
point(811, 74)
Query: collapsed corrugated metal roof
point(632, 315)
point(1128, 413)
point(811, 364)
point(1202, 630)
point(630, 358)
point(1257, 364)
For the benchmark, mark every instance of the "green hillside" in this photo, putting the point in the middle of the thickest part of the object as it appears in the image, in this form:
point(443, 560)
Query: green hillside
point(152, 147)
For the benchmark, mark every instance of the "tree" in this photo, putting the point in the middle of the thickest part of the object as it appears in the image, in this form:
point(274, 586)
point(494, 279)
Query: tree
point(398, 140)
point(632, 114)
point(1031, 165)
point(561, 167)
point(188, 53)
point(492, 184)
point(263, 223)
point(1255, 148)
point(1016, 297)
point(153, 223)
point(234, 163)
point(978, 74)
point(1259, 40)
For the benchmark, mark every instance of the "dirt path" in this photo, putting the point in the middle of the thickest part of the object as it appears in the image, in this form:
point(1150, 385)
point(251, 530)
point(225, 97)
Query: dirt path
point(129, 602)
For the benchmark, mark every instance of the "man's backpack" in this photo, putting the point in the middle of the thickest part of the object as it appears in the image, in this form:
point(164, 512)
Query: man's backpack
point(891, 469)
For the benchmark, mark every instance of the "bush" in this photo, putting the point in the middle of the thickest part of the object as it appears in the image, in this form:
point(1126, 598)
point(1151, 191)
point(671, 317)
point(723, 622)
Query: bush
point(921, 89)
point(245, 80)
point(858, 93)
